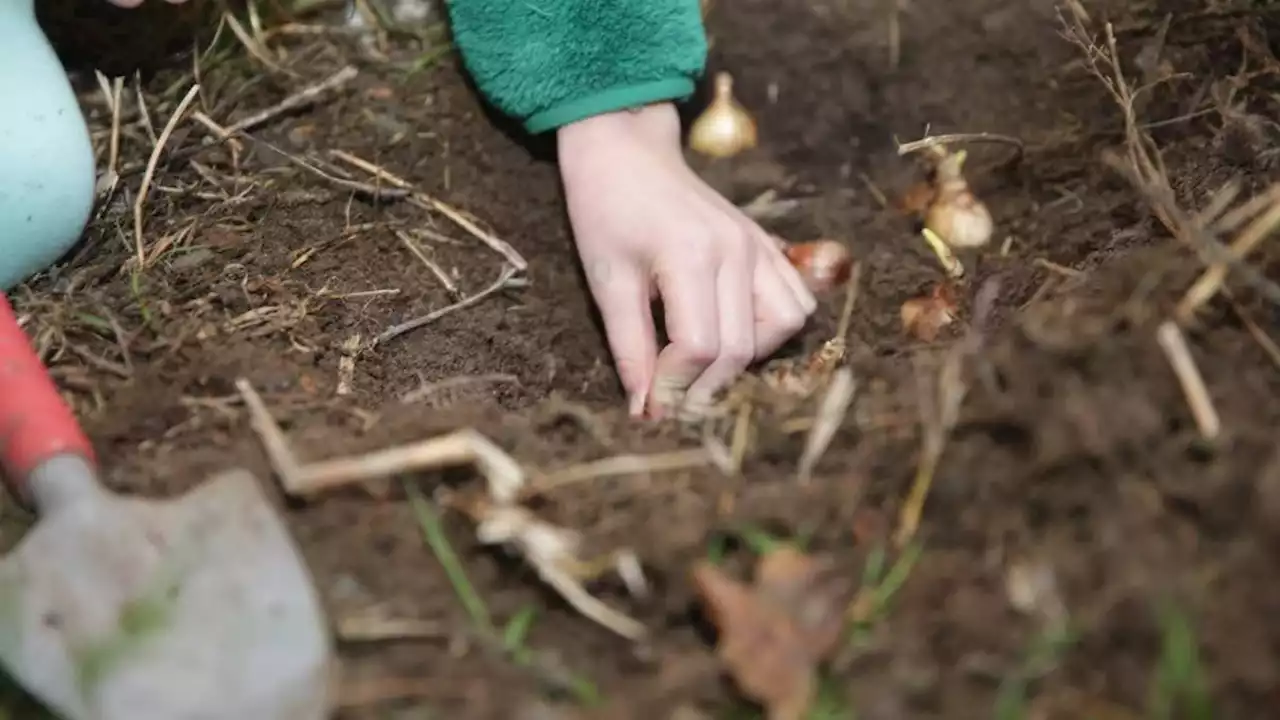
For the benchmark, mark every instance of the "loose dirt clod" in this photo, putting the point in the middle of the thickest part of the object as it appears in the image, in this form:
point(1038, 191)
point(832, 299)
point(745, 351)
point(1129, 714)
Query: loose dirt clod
point(775, 633)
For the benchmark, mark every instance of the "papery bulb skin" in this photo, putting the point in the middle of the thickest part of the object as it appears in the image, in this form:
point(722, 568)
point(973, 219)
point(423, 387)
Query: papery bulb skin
point(725, 128)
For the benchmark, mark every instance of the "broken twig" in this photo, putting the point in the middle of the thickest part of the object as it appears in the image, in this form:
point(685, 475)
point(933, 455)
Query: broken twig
point(504, 281)
point(1174, 344)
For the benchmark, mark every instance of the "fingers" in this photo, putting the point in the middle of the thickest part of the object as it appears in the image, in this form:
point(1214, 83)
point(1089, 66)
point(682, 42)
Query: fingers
point(622, 294)
point(781, 311)
point(754, 305)
point(776, 256)
point(772, 249)
point(735, 293)
point(691, 304)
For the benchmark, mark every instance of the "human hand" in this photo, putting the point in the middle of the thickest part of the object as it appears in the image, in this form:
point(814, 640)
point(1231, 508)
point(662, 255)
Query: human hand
point(646, 225)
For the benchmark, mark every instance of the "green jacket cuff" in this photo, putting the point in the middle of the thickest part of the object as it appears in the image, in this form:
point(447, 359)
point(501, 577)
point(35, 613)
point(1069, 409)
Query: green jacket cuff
point(547, 63)
point(622, 98)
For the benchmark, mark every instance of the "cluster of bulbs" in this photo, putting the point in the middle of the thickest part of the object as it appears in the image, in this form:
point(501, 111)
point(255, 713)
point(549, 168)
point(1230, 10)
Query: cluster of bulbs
point(950, 216)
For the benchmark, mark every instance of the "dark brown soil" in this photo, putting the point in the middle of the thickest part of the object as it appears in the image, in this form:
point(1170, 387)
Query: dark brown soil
point(1075, 449)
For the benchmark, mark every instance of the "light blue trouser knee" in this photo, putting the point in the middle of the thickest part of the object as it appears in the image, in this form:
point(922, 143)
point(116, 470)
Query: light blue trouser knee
point(46, 159)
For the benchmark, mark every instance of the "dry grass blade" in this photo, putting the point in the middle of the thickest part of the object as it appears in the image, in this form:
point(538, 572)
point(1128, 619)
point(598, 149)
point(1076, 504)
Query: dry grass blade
point(430, 203)
point(241, 128)
point(852, 289)
point(140, 204)
point(1210, 282)
point(295, 100)
point(112, 94)
point(255, 48)
point(373, 192)
point(1264, 341)
point(1174, 344)
point(431, 265)
point(144, 115)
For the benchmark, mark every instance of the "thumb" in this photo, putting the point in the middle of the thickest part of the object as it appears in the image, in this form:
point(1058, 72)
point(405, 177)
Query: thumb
point(622, 293)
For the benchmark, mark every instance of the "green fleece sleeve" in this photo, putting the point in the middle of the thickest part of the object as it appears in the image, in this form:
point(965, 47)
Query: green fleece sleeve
point(552, 62)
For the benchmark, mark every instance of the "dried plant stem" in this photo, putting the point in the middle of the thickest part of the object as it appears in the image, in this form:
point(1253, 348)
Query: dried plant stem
point(260, 53)
point(305, 96)
point(462, 447)
point(938, 141)
point(1264, 341)
point(504, 281)
point(428, 202)
point(431, 265)
point(1174, 344)
point(140, 204)
point(852, 288)
point(112, 91)
point(366, 189)
point(1210, 282)
point(1143, 165)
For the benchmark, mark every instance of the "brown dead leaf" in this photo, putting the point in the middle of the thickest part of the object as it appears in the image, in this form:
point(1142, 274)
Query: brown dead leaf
point(776, 632)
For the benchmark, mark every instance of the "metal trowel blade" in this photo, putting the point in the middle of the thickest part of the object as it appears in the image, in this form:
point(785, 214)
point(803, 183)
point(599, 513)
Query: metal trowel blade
point(196, 608)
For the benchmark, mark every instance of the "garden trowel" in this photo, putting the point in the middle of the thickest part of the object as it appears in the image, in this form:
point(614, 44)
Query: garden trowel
point(113, 608)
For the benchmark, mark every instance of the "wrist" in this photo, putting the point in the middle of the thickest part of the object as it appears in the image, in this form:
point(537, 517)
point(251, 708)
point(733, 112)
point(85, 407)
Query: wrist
point(609, 122)
point(590, 135)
